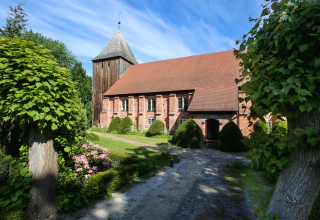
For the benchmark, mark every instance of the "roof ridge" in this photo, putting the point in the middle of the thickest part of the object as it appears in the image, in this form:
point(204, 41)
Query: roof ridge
point(184, 57)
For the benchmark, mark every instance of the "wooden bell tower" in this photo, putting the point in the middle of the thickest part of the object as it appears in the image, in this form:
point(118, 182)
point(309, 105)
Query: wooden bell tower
point(111, 63)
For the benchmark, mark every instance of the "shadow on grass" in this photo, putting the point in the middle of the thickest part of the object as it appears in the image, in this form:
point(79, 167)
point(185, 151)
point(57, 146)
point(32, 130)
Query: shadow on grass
point(153, 156)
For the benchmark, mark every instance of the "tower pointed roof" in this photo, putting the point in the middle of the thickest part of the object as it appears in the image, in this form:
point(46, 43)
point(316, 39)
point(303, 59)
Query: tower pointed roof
point(117, 47)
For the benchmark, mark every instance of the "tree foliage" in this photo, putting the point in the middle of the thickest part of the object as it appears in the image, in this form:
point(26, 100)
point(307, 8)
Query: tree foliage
point(78, 74)
point(15, 22)
point(281, 61)
point(281, 74)
point(59, 50)
point(33, 88)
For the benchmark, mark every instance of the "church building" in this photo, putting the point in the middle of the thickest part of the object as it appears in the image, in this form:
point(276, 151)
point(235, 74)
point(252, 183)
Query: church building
point(201, 87)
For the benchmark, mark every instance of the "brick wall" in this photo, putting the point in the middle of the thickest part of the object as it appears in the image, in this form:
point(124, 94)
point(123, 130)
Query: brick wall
point(167, 112)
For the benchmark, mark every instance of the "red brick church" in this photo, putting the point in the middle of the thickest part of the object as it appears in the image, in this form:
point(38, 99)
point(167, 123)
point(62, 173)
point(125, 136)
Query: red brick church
point(200, 87)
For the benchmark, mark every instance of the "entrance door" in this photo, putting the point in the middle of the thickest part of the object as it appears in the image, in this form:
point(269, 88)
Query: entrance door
point(213, 129)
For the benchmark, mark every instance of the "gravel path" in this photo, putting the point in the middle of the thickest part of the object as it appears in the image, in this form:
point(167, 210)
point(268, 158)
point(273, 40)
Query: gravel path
point(196, 188)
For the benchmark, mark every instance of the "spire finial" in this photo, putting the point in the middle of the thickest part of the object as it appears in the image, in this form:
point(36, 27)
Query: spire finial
point(119, 20)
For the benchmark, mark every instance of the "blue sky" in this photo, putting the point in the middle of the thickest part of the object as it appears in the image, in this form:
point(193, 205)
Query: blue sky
point(155, 30)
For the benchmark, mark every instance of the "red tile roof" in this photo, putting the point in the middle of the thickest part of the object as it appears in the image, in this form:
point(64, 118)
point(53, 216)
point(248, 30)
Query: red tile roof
point(215, 99)
point(210, 75)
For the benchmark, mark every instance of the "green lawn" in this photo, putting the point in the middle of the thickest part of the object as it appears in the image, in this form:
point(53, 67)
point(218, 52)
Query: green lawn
point(127, 148)
point(160, 142)
point(253, 182)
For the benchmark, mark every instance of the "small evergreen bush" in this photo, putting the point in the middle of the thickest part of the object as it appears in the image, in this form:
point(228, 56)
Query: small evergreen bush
point(230, 138)
point(279, 126)
point(92, 137)
point(187, 135)
point(125, 126)
point(261, 127)
point(114, 124)
point(155, 128)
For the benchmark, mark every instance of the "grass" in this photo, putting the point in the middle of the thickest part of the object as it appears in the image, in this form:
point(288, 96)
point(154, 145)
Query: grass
point(252, 182)
point(127, 148)
point(160, 159)
point(160, 141)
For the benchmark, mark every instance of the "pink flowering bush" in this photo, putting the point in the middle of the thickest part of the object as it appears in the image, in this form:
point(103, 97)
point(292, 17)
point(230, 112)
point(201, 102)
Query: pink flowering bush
point(93, 159)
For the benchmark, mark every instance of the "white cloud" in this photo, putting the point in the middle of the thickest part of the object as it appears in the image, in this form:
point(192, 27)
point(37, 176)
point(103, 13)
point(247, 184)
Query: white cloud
point(194, 27)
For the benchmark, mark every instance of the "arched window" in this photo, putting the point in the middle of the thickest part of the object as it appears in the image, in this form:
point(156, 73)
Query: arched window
point(151, 105)
point(182, 104)
point(124, 105)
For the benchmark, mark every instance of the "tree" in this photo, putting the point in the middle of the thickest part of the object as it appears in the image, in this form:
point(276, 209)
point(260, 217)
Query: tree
point(59, 50)
point(36, 91)
point(78, 74)
point(281, 74)
point(15, 23)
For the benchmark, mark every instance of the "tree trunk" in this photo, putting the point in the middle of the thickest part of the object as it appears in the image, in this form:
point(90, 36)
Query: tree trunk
point(299, 181)
point(43, 162)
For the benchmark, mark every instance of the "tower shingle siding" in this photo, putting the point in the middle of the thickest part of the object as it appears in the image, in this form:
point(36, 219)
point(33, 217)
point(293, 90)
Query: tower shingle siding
point(116, 47)
point(109, 65)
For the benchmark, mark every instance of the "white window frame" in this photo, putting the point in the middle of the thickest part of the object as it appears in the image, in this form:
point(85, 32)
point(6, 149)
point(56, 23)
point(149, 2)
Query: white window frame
point(122, 118)
point(181, 121)
point(150, 120)
point(124, 105)
point(151, 105)
point(270, 125)
point(183, 108)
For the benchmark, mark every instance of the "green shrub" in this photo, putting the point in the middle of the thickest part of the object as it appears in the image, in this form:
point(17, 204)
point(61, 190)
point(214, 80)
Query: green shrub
point(271, 177)
point(315, 211)
point(105, 183)
point(4, 168)
point(279, 126)
point(114, 124)
point(125, 125)
point(16, 215)
point(92, 137)
point(187, 135)
point(130, 160)
point(74, 194)
point(261, 127)
point(15, 194)
point(230, 138)
point(156, 128)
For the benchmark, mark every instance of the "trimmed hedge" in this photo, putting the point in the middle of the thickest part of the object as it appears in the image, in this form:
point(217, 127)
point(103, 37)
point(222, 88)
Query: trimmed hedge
point(155, 128)
point(261, 127)
point(279, 126)
point(92, 137)
point(125, 125)
point(230, 138)
point(114, 124)
point(187, 135)
point(105, 183)
point(73, 195)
